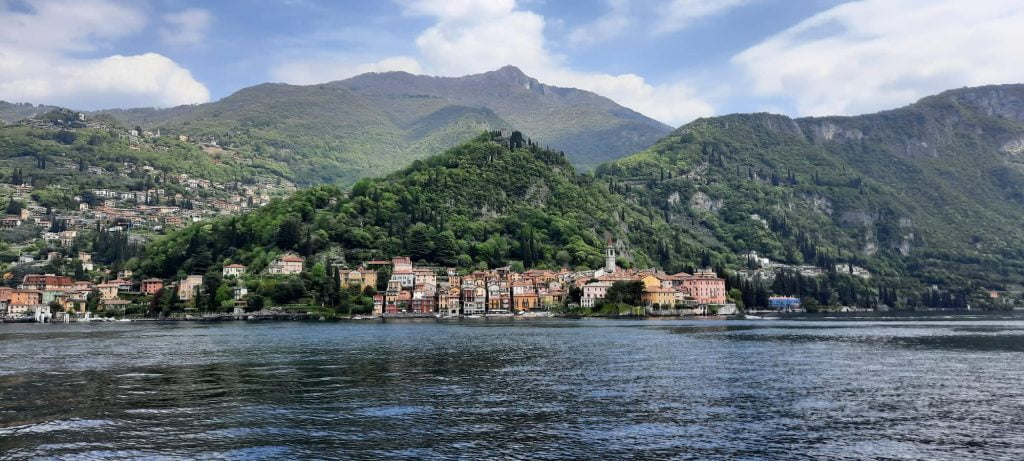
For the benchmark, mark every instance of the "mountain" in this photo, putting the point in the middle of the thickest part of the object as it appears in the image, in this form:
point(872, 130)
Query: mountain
point(591, 129)
point(933, 191)
point(340, 131)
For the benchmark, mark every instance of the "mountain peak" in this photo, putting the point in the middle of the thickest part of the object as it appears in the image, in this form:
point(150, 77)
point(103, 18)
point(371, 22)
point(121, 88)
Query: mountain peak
point(511, 74)
point(511, 71)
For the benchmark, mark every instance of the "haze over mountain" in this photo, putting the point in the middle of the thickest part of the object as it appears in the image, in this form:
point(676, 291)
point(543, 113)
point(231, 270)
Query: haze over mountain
point(377, 122)
point(12, 112)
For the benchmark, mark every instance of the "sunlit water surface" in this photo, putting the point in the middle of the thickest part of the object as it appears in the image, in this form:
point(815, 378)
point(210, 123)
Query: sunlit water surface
point(934, 387)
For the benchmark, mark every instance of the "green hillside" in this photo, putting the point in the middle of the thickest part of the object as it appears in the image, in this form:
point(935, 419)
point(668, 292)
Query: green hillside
point(479, 204)
point(933, 190)
point(341, 131)
point(55, 149)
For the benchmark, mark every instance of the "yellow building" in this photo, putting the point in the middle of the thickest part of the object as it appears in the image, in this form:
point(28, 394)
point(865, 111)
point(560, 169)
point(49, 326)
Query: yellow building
point(663, 297)
point(651, 281)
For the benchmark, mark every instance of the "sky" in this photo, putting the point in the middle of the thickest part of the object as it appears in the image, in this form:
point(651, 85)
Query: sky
point(672, 60)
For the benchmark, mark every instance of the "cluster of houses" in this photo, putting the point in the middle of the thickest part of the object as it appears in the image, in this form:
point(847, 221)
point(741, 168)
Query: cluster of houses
point(38, 292)
point(413, 290)
point(764, 269)
point(138, 209)
point(192, 199)
point(410, 290)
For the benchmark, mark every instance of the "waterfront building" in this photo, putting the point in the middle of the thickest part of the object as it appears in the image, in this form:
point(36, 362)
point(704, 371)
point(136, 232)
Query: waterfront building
point(705, 286)
point(108, 290)
point(658, 296)
point(594, 291)
point(783, 302)
point(187, 288)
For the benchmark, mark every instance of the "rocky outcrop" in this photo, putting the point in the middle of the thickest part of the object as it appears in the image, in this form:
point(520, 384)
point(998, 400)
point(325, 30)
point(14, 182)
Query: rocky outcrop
point(701, 201)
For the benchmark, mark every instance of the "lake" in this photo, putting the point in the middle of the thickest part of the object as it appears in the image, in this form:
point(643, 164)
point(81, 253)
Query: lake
point(937, 387)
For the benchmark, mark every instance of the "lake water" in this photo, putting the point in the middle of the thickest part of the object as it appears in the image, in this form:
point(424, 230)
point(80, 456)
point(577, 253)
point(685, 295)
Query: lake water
point(810, 388)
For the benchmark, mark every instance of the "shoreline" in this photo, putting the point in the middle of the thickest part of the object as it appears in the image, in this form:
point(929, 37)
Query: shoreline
point(282, 317)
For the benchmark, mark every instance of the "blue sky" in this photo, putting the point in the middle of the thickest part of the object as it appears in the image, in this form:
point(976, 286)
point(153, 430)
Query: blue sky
point(673, 60)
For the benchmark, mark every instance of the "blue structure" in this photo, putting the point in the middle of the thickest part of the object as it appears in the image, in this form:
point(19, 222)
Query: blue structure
point(783, 302)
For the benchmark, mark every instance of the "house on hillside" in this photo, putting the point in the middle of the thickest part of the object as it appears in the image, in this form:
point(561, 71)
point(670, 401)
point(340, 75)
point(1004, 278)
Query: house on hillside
point(235, 270)
point(151, 286)
point(288, 264)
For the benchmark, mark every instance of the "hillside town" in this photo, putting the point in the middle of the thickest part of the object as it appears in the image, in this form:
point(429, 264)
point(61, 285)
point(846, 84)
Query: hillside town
point(55, 209)
point(409, 291)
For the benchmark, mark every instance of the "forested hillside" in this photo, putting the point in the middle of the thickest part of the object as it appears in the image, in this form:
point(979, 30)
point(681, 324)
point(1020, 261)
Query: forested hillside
point(479, 204)
point(933, 190)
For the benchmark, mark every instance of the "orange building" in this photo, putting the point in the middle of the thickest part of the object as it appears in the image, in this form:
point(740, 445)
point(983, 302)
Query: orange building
point(26, 297)
point(151, 286)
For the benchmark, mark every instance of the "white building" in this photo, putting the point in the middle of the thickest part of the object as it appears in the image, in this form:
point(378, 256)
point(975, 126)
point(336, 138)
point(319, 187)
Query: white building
point(234, 270)
point(594, 291)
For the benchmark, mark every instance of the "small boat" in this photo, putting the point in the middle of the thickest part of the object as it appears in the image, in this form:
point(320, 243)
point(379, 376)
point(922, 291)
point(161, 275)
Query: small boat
point(752, 317)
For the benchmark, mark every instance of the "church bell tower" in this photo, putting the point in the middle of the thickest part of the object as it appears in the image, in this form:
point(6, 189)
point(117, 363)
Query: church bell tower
point(609, 257)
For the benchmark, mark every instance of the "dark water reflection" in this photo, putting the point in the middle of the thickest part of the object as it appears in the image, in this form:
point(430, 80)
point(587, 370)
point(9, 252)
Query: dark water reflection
point(938, 388)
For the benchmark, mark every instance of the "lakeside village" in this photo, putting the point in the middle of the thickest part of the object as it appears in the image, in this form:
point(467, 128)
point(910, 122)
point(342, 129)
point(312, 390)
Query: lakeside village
point(408, 290)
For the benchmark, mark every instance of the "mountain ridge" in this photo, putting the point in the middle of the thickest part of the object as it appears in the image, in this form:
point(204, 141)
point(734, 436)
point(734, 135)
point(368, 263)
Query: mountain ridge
point(374, 123)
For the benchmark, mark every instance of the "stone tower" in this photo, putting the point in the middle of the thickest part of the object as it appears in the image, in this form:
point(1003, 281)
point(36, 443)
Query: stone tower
point(609, 257)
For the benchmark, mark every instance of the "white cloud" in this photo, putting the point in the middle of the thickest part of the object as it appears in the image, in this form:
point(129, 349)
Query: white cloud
point(37, 62)
point(186, 27)
point(471, 37)
point(320, 70)
point(477, 36)
point(66, 25)
point(114, 81)
point(877, 54)
point(672, 103)
point(474, 36)
point(679, 14)
point(608, 26)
